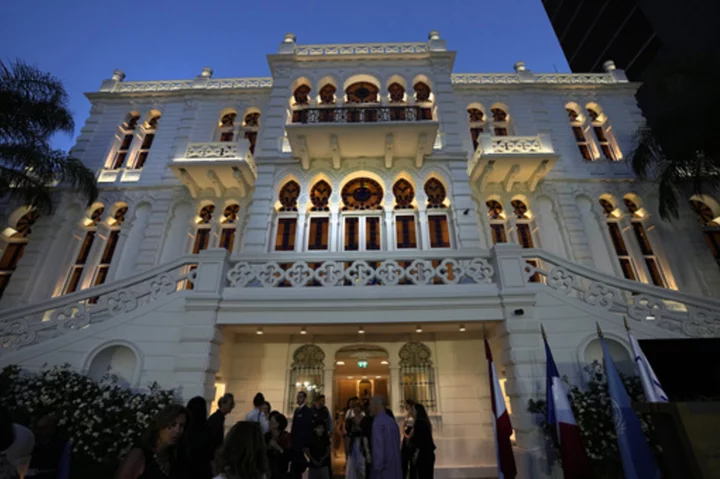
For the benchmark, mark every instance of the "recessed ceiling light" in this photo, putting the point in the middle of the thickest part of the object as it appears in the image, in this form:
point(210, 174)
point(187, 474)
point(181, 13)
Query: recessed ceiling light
point(378, 377)
point(303, 330)
point(350, 377)
point(361, 330)
point(364, 377)
point(340, 363)
point(462, 328)
point(418, 329)
point(384, 362)
point(259, 331)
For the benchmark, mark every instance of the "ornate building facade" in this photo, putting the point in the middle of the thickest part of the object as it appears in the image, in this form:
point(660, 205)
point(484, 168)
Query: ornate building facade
point(354, 225)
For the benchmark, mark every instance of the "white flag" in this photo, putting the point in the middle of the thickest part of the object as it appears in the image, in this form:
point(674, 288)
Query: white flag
point(651, 386)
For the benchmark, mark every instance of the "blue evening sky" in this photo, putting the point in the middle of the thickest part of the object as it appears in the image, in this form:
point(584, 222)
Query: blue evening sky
point(82, 41)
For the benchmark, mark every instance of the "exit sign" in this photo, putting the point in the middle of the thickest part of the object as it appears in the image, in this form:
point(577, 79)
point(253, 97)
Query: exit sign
point(362, 364)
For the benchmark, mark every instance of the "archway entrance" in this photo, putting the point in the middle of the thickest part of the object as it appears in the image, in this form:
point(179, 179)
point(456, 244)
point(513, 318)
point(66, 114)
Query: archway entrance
point(361, 370)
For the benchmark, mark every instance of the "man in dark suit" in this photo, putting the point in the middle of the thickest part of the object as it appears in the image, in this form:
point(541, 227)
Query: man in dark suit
point(321, 413)
point(216, 422)
point(300, 435)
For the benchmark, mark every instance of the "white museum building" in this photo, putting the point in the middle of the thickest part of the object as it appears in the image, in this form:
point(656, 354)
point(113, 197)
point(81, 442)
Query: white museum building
point(352, 225)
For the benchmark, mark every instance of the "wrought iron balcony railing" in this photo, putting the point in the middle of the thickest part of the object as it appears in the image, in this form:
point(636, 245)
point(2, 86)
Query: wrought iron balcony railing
point(363, 114)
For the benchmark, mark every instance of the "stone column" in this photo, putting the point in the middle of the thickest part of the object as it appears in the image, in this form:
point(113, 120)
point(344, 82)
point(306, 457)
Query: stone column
point(300, 231)
point(424, 236)
point(389, 231)
point(395, 393)
point(254, 240)
point(197, 359)
point(335, 227)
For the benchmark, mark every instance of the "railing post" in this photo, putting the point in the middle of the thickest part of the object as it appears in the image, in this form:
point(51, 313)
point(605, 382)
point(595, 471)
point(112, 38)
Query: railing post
point(509, 265)
point(213, 265)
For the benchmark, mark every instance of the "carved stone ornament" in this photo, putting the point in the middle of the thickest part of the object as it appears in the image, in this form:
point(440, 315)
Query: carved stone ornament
point(163, 284)
point(308, 356)
point(600, 295)
point(561, 280)
point(16, 333)
point(73, 316)
point(120, 302)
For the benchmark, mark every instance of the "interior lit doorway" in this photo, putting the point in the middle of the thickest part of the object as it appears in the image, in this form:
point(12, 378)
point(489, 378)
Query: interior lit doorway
point(363, 371)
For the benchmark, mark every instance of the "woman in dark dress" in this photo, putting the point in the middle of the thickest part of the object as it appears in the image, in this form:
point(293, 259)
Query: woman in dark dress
point(279, 446)
point(162, 454)
point(200, 455)
point(422, 442)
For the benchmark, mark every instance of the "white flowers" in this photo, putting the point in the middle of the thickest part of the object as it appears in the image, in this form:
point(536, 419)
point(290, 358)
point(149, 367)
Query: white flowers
point(103, 421)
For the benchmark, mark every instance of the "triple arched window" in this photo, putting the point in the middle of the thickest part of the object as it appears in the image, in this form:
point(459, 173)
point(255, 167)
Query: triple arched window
point(592, 133)
point(228, 128)
point(15, 244)
point(629, 237)
point(133, 141)
point(92, 269)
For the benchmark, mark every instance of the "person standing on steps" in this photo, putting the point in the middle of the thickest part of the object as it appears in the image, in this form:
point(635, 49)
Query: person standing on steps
point(257, 414)
point(300, 435)
point(216, 422)
point(385, 442)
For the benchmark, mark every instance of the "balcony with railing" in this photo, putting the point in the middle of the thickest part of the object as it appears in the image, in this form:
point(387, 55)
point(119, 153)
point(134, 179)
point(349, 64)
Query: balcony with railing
point(510, 160)
point(219, 166)
point(362, 130)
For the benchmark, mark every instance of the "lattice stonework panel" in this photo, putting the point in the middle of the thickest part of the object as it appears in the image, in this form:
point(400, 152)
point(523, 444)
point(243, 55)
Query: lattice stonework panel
point(306, 374)
point(417, 375)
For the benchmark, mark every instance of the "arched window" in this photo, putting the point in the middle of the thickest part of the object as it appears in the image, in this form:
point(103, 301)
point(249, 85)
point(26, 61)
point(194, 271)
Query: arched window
point(362, 92)
point(496, 216)
point(226, 128)
point(710, 224)
point(301, 100)
point(603, 133)
point(103, 267)
point(578, 127)
point(653, 266)
point(396, 92)
point(306, 374)
point(228, 226)
point(72, 283)
point(405, 221)
point(618, 241)
point(501, 121)
point(251, 126)
point(362, 215)
point(287, 217)
point(327, 98)
point(477, 124)
point(438, 221)
point(149, 130)
point(422, 98)
point(417, 375)
point(124, 140)
point(202, 234)
point(117, 360)
point(319, 230)
point(524, 231)
point(16, 247)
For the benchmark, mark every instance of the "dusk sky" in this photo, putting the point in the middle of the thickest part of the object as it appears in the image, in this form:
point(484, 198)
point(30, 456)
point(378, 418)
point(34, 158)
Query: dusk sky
point(83, 41)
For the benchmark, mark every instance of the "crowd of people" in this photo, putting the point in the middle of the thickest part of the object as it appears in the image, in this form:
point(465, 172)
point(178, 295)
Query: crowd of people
point(184, 443)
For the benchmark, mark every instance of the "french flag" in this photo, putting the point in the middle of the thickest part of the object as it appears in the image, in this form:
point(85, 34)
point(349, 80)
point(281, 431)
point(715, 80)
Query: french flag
point(575, 462)
point(501, 423)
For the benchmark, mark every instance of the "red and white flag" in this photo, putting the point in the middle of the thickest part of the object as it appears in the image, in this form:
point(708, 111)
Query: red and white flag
point(501, 423)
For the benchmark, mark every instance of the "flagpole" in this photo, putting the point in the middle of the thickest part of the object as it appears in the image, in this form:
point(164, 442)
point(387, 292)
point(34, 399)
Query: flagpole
point(627, 328)
point(542, 331)
point(599, 331)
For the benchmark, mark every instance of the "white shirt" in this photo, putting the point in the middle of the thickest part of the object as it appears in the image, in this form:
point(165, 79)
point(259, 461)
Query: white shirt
point(256, 415)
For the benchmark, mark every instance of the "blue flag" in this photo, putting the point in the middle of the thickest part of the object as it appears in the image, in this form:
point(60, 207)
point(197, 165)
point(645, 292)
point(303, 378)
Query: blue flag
point(637, 458)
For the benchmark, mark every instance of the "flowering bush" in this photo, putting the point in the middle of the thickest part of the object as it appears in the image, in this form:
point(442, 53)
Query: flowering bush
point(102, 420)
point(593, 414)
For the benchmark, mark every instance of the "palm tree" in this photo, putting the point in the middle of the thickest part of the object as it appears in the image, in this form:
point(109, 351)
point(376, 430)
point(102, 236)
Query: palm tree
point(679, 148)
point(33, 107)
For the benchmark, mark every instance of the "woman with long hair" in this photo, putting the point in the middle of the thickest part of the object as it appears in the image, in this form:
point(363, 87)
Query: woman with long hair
point(162, 453)
point(200, 455)
point(355, 453)
point(406, 451)
point(279, 446)
point(421, 440)
point(243, 455)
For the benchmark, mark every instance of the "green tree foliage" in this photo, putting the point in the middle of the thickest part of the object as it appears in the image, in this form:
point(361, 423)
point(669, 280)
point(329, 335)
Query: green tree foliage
point(34, 107)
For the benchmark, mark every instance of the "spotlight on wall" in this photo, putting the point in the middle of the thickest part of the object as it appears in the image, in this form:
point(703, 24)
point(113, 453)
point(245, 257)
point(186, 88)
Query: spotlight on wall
point(361, 330)
point(650, 317)
point(418, 329)
point(259, 331)
point(519, 312)
point(303, 330)
point(462, 328)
